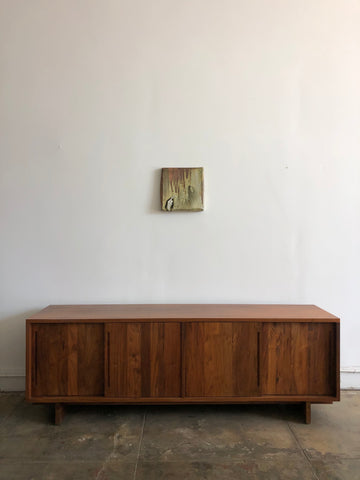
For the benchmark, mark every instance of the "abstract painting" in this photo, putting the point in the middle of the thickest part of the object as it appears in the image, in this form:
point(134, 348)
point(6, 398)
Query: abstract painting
point(182, 189)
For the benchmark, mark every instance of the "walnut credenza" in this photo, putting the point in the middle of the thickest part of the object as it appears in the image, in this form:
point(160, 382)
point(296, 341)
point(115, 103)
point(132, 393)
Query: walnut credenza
point(173, 354)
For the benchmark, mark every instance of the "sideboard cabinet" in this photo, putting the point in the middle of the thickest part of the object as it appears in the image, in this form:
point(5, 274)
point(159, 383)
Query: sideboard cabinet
point(172, 354)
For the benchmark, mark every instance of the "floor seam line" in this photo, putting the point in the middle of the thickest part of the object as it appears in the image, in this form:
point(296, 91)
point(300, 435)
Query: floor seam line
point(140, 443)
point(107, 459)
point(303, 452)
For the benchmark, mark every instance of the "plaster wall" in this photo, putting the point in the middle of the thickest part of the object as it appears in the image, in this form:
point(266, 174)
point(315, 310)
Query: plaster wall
point(97, 96)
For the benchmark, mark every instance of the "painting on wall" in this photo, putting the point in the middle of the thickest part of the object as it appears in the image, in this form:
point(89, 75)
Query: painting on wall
point(182, 189)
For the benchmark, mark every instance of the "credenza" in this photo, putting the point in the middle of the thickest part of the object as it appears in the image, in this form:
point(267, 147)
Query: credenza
point(182, 354)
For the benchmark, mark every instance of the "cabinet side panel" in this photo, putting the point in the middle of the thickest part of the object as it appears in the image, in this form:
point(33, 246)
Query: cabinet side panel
point(337, 360)
point(29, 360)
point(322, 370)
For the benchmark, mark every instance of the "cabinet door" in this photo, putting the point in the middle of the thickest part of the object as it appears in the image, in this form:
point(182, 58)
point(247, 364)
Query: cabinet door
point(67, 359)
point(221, 359)
point(299, 359)
point(143, 360)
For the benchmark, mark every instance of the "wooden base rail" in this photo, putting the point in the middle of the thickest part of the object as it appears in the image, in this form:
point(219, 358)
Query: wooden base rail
point(166, 354)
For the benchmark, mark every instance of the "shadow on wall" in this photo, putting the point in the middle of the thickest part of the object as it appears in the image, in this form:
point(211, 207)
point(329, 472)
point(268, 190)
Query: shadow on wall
point(155, 204)
point(12, 335)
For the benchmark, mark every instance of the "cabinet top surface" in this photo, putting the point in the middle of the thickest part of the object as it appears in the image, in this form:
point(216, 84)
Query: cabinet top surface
point(183, 312)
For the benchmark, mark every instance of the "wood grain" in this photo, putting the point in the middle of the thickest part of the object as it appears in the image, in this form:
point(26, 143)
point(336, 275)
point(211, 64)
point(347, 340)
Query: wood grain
point(186, 400)
point(67, 359)
point(297, 359)
point(90, 359)
point(50, 366)
point(29, 361)
point(183, 354)
point(221, 359)
point(193, 312)
point(143, 360)
point(59, 412)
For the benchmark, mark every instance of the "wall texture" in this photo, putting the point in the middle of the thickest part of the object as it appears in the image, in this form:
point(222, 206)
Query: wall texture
point(97, 96)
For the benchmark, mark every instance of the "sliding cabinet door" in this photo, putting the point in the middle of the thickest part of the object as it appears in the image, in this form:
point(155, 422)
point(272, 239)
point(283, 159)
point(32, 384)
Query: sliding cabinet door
point(221, 359)
point(299, 359)
point(67, 359)
point(143, 360)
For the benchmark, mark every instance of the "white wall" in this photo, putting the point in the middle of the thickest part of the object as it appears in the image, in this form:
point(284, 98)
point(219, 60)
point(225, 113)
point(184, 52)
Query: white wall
point(97, 96)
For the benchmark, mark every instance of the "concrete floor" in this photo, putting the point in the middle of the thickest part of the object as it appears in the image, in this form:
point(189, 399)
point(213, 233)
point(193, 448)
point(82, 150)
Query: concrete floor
point(180, 443)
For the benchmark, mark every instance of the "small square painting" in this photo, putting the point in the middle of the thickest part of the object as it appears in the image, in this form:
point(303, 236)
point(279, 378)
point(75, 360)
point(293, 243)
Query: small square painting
point(182, 189)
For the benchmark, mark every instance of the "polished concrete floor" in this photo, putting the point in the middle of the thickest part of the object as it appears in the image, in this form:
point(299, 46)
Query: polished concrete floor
point(267, 442)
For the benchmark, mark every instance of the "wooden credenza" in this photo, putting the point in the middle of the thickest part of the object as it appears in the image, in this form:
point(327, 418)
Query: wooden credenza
point(172, 354)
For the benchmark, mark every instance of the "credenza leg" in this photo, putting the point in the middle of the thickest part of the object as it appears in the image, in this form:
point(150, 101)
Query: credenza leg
point(59, 413)
point(307, 409)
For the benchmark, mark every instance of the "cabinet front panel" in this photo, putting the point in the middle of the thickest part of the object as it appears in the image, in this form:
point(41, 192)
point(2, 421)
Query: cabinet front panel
point(67, 359)
point(89, 360)
point(143, 360)
point(299, 359)
point(50, 362)
point(221, 359)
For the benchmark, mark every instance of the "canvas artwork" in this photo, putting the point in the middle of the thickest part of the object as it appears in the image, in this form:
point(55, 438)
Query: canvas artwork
point(182, 189)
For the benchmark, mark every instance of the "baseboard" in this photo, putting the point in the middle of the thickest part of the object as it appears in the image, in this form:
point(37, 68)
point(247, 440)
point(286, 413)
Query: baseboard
point(12, 383)
point(349, 380)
